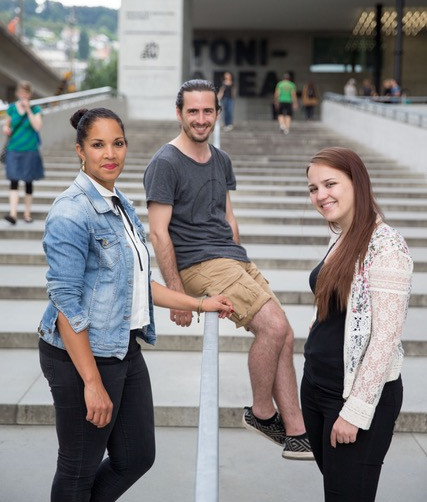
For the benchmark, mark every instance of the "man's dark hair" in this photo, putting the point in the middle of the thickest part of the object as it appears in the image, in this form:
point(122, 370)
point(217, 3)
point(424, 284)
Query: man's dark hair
point(196, 85)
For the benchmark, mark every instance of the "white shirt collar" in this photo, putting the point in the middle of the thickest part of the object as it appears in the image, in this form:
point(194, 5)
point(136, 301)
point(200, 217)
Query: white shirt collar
point(102, 190)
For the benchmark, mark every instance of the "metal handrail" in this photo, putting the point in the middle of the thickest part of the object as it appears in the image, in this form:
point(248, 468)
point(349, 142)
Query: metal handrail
point(69, 98)
point(398, 109)
point(207, 465)
point(100, 91)
point(217, 135)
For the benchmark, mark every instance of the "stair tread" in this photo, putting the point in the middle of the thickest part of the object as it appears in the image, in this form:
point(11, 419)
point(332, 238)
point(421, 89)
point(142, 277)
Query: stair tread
point(21, 380)
point(299, 317)
point(280, 280)
point(255, 251)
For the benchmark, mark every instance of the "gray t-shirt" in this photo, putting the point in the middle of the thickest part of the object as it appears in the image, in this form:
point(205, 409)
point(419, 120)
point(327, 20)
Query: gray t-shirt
point(197, 192)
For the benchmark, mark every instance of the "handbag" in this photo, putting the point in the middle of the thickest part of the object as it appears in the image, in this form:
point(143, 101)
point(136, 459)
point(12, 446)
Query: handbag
point(3, 153)
point(4, 149)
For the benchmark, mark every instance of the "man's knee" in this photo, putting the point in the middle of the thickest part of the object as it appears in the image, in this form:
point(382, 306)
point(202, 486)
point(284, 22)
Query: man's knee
point(271, 321)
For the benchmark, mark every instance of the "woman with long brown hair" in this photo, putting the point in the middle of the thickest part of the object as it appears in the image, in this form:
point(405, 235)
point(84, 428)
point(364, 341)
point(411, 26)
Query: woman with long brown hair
point(351, 392)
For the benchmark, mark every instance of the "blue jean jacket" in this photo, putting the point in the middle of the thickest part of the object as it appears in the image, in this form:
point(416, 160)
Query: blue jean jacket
point(90, 275)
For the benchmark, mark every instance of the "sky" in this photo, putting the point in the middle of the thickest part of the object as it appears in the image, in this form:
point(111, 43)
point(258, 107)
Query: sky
point(112, 4)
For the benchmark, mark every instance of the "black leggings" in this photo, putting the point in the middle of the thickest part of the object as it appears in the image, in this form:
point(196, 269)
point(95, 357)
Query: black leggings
point(82, 475)
point(28, 186)
point(350, 471)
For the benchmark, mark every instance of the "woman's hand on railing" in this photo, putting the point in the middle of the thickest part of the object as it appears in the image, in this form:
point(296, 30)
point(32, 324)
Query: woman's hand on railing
point(220, 304)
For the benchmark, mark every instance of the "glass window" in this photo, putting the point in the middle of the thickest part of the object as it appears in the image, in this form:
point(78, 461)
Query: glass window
point(342, 54)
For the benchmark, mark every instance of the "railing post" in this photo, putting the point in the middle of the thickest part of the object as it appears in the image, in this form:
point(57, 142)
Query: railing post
point(207, 466)
point(217, 135)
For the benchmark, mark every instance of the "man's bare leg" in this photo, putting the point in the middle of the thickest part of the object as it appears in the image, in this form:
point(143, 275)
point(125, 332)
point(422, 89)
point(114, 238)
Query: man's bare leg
point(272, 370)
point(282, 122)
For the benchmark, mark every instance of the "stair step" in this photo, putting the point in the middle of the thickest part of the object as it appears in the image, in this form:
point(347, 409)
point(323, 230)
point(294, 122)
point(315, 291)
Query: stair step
point(284, 201)
point(290, 286)
point(258, 216)
point(303, 257)
point(250, 234)
point(19, 331)
point(25, 397)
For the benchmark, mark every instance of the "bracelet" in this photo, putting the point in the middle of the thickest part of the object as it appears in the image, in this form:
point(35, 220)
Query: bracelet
point(199, 308)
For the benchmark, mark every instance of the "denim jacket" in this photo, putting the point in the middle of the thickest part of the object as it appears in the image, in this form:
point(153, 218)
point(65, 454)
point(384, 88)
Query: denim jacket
point(90, 275)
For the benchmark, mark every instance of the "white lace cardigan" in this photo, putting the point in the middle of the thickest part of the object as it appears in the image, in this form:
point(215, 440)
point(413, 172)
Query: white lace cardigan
point(376, 311)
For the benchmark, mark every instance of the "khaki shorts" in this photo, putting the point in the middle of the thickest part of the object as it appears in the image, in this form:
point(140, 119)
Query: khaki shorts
point(242, 283)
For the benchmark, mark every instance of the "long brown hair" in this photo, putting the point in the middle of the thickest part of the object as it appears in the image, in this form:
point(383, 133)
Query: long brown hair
point(336, 274)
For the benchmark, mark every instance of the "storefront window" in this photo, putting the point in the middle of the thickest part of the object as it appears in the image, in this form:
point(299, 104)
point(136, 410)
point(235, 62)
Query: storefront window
point(342, 54)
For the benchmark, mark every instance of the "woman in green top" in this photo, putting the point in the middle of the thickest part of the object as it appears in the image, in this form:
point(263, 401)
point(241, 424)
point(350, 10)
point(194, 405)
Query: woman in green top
point(23, 160)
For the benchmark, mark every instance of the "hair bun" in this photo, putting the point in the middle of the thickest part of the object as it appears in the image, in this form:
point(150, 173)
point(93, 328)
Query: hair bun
point(75, 119)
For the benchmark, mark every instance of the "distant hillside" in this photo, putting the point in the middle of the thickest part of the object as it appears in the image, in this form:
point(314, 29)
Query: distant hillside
point(54, 15)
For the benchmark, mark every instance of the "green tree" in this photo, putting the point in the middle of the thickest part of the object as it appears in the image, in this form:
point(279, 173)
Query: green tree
point(100, 74)
point(83, 51)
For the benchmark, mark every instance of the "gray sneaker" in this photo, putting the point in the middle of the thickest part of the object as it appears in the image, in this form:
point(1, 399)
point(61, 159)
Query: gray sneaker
point(274, 432)
point(297, 448)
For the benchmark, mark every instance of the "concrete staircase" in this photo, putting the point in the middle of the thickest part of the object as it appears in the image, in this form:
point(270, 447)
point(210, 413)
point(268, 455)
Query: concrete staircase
point(283, 235)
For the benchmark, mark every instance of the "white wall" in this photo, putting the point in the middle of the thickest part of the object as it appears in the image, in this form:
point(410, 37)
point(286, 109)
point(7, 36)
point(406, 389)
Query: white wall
point(407, 144)
point(153, 60)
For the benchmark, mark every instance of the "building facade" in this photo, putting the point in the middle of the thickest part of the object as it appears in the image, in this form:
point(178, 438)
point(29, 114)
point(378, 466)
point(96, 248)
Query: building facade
point(165, 42)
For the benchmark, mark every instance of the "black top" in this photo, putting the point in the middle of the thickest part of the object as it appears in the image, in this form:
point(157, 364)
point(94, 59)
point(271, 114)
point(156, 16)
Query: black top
point(228, 90)
point(323, 351)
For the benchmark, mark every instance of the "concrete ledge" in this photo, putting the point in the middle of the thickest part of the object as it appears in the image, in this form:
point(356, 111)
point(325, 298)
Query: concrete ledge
point(277, 219)
point(8, 414)
point(285, 297)
point(37, 234)
point(411, 422)
point(22, 259)
point(35, 414)
point(391, 138)
point(176, 416)
point(189, 343)
point(18, 341)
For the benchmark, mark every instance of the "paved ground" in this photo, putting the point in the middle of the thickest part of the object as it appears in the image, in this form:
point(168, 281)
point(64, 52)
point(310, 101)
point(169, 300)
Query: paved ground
point(28, 456)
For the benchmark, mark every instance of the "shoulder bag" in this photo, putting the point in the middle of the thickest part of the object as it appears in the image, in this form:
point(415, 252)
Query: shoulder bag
point(4, 149)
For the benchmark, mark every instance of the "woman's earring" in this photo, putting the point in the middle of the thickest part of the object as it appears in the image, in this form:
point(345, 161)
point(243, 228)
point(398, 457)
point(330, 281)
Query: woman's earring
point(83, 166)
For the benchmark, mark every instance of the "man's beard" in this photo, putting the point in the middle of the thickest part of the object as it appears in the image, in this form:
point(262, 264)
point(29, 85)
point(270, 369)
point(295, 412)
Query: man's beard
point(197, 139)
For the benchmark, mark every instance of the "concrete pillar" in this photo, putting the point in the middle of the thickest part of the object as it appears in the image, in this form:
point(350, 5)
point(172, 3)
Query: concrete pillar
point(378, 63)
point(154, 58)
point(398, 47)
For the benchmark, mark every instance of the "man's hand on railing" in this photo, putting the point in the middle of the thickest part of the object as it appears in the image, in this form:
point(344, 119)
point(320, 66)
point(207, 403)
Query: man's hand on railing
point(220, 304)
point(181, 318)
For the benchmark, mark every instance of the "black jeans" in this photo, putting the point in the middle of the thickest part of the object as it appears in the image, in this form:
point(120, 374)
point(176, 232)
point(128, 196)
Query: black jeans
point(82, 474)
point(350, 471)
